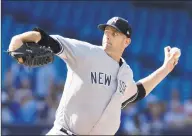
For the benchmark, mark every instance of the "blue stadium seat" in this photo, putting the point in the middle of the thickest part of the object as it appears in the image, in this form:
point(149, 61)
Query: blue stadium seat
point(7, 22)
point(136, 68)
point(186, 86)
point(138, 38)
point(188, 57)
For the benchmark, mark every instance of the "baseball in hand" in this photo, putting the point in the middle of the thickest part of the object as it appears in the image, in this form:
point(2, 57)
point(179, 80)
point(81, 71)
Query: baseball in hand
point(176, 51)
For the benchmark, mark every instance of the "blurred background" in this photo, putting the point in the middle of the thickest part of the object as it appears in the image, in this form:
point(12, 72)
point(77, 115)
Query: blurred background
point(30, 96)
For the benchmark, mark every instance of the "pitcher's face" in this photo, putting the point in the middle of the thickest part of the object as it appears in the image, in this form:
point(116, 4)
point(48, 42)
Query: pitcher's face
point(114, 39)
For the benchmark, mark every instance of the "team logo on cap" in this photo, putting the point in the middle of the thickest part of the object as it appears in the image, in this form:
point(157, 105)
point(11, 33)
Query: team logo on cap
point(113, 20)
point(128, 32)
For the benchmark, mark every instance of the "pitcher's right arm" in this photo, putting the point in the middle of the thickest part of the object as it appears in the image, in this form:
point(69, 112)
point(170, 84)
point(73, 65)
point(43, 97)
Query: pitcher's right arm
point(18, 40)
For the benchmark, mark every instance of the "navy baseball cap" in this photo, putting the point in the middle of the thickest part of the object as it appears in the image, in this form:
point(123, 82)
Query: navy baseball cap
point(119, 24)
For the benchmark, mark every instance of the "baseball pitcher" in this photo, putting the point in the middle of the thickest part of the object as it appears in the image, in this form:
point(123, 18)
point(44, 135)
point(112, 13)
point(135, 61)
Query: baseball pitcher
point(99, 82)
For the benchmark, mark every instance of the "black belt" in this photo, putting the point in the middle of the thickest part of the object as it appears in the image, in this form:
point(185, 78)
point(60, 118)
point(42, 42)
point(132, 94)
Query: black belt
point(67, 132)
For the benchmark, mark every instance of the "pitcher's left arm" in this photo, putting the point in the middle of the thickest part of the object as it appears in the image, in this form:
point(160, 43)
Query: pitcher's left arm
point(147, 84)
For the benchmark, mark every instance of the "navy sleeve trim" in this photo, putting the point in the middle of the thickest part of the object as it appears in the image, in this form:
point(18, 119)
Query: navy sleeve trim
point(48, 41)
point(141, 93)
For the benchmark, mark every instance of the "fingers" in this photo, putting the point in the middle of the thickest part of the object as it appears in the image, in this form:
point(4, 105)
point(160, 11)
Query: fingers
point(172, 56)
point(15, 44)
point(173, 59)
point(167, 50)
point(176, 62)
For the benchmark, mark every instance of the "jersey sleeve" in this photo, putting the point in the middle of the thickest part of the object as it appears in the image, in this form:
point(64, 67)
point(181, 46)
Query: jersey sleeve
point(72, 51)
point(131, 91)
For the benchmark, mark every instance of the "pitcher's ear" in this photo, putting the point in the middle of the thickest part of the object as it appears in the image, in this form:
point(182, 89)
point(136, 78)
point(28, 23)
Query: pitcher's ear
point(128, 41)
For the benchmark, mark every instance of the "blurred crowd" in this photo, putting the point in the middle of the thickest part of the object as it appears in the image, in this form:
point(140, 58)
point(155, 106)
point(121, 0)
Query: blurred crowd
point(30, 97)
point(158, 116)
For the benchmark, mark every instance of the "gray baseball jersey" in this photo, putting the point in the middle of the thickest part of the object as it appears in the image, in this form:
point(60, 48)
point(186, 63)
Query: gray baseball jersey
point(94, 90)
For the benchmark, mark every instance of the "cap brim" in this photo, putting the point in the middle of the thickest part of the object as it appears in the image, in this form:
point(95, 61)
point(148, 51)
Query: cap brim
point(102, 27)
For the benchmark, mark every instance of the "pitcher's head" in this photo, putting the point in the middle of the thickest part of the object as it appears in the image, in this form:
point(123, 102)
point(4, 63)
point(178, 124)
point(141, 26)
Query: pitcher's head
point(117, 33)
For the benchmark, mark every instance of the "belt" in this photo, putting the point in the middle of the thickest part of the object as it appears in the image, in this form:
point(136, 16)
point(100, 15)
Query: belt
point(67, 132)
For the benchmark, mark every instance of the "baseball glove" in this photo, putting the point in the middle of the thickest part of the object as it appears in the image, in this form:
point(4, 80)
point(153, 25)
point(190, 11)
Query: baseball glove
point(33, 55)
